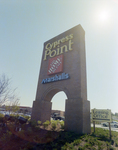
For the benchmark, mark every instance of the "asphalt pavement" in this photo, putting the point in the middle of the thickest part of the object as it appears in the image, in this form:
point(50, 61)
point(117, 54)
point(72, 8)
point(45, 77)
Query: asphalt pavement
point(107, 128)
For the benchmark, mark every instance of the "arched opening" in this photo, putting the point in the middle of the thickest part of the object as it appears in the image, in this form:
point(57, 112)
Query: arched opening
point(58, 101)
point(58, 106)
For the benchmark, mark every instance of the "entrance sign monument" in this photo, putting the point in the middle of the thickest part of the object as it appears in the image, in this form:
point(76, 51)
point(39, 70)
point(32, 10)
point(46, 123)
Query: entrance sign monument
point(103, 115)
point(63, 68)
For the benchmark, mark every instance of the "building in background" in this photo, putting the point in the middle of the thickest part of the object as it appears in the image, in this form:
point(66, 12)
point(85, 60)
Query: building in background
point(28, 110)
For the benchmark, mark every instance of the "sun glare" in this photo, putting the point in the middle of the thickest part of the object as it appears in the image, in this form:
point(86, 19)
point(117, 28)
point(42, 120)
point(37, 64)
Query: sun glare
point(103, 16)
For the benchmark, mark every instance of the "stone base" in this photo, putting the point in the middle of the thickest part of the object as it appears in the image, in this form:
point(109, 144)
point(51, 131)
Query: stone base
point(41, 110)
point(77, 116)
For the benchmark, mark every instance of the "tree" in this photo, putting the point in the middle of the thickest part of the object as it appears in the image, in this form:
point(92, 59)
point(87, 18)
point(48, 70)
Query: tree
point(6, 92)
point(12, 106)
point(15, 106)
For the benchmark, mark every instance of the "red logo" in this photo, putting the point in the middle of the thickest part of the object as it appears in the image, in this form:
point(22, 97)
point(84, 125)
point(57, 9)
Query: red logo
point(55, 65)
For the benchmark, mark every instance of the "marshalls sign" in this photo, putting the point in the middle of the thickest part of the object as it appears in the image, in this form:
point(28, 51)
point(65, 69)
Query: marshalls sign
point(101, 115)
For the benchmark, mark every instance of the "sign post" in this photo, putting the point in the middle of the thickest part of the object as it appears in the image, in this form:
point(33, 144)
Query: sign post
point(110, 130)
point(102, 115)
point(94, 125)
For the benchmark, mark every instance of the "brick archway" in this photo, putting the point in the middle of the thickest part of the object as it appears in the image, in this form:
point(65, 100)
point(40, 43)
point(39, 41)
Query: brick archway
point(63, 68)
point(51, 91)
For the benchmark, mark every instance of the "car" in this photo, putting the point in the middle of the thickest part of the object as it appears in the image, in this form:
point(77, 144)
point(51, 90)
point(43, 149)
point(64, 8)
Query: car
point(113, 124)
point(22, 120)
point(105, 124)
point(59, 118)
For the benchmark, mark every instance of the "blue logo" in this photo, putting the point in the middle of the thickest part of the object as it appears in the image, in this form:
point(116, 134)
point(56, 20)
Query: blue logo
point(63, 76)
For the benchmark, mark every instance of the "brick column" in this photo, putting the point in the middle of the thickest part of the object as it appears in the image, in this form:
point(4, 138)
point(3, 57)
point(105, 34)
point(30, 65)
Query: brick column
point(42, 110)
point(77, 116)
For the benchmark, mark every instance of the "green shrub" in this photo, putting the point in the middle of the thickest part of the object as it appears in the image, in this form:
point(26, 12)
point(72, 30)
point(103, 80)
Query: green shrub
point(65, 147)
point(116, 144)
point(29, 120)
point(71, 147)
point(39, 122)
point(92, 141)
point(87, 145)
point(53, 124)
point(33, 123)
point(80, 148)
point(57, 121)
point(77, 142)
point(46, 124)
point(27, 117)
point(99, 146)
point(62, 124)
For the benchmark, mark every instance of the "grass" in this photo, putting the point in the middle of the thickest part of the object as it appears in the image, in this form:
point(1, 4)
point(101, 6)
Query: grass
point(51, 136)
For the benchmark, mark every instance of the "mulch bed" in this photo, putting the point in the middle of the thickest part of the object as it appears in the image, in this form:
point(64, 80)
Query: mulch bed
point(10, 139)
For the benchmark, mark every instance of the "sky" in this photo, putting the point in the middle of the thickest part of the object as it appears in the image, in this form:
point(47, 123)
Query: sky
point(26, 25)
